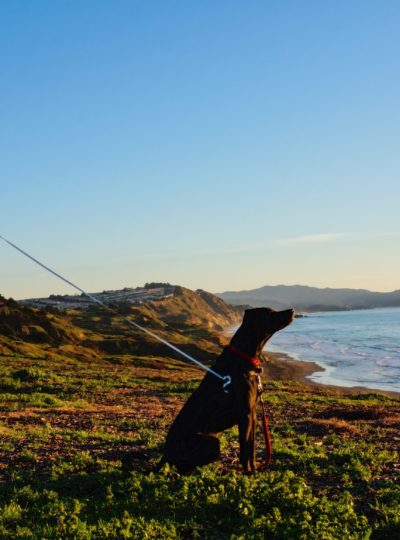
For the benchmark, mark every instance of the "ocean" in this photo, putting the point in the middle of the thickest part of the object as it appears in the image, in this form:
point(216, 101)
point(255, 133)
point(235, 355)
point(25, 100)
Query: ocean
point(355, 348)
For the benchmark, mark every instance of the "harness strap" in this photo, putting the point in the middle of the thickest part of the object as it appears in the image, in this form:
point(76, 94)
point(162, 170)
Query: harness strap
point(267, 437)
point(253, 361)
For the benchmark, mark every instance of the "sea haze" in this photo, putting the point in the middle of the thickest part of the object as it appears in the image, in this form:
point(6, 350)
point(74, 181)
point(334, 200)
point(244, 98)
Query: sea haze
point(355, 348)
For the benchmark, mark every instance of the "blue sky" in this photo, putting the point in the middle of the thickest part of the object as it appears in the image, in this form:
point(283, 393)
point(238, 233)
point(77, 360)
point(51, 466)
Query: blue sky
point(221, 145)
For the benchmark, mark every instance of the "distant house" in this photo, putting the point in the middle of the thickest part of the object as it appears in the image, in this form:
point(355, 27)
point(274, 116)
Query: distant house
point(126, 296)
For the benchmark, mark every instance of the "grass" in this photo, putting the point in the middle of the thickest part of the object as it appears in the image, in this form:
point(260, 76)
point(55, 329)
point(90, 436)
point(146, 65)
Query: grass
point(81, 433)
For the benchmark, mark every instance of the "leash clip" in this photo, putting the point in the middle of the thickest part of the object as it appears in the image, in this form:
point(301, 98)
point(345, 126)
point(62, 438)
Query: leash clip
point(227, 381)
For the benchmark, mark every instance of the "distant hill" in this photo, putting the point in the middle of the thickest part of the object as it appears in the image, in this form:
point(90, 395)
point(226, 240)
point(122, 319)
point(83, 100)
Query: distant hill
point(303, 298)
point(126, 296)
point(160, 303)
point(188, 319)
point(33, 325)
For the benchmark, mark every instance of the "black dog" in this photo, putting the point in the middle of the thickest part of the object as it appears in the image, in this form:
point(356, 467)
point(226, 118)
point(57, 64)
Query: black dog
point(192, 440)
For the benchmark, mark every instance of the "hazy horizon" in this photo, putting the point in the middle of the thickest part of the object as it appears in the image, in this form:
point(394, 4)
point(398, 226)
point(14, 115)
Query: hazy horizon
point(218, 146)
point(71, 291)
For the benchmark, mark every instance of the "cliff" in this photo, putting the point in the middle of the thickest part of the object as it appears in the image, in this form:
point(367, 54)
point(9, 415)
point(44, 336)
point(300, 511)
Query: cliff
point(190, 320)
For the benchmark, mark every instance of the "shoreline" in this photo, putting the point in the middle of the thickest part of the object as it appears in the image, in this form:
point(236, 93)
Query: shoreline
point(283, 367)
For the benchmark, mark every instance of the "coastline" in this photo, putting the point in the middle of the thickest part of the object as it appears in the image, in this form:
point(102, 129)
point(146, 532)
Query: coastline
point(282, 367)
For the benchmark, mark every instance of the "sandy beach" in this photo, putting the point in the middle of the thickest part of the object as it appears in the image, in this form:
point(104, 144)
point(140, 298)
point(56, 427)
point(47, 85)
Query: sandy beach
point(282, 367)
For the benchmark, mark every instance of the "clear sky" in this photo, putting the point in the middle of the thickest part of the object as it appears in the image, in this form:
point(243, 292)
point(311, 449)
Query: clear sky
point(219, 145)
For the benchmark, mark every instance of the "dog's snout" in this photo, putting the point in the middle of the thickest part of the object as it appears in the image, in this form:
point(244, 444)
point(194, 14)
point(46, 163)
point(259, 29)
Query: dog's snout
point(291, 314)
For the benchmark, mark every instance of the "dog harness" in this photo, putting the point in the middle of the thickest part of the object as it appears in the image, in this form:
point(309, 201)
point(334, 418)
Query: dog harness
point(255, 362)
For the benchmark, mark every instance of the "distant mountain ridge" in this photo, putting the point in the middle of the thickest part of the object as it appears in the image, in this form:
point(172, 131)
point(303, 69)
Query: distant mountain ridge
point(305, 298)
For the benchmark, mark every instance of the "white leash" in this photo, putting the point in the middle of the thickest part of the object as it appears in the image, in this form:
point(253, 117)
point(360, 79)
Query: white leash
point(226, 379)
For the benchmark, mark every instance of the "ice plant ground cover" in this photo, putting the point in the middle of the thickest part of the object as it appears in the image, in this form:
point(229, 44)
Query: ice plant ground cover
point(79, 439)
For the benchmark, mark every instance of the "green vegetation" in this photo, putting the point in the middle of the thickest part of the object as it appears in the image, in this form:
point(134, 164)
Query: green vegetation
point(79, 440)
point(80, 435)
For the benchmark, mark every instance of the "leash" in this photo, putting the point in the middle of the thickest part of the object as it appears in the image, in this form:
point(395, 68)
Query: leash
point(227, 379)
point(267, 436)
point(255, 362)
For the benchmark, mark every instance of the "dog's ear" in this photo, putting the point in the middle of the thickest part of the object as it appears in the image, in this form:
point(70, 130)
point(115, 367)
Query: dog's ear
point(256, 314)
point(248, 317)
point(252, 312)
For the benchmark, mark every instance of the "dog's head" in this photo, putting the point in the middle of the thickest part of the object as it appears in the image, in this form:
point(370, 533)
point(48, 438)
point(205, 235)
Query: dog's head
point(259, 324)
point(266, 321)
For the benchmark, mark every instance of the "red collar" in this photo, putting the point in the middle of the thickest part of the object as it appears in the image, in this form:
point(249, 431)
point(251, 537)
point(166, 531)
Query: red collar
point(253, 361)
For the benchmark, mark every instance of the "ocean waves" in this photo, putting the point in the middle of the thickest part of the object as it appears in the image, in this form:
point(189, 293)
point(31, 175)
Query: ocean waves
point(356, 348)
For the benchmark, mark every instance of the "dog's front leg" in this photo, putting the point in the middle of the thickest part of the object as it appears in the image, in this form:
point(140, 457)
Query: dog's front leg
point(247, 399)
point(247, 441)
